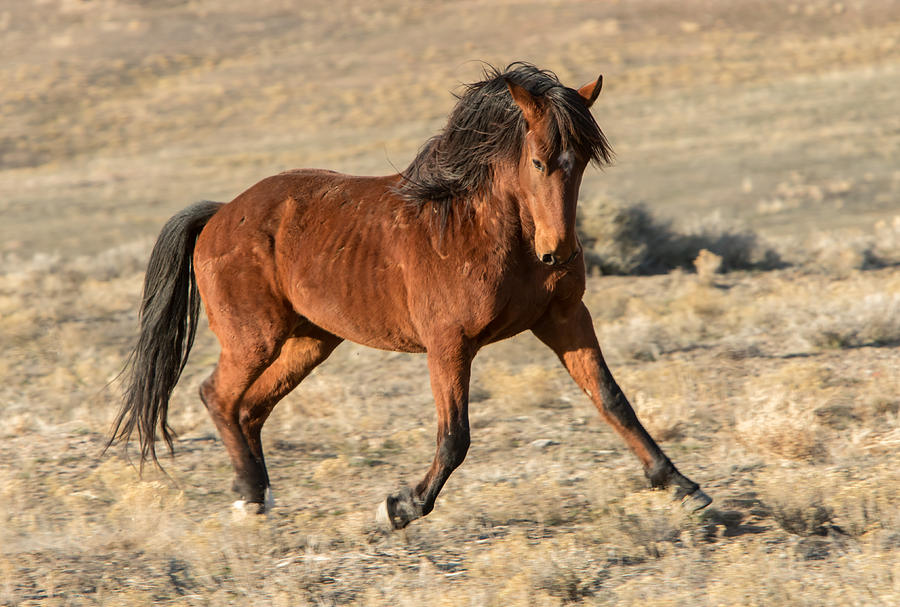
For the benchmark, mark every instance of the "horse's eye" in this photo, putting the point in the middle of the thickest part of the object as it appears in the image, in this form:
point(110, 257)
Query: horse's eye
point(538, 164)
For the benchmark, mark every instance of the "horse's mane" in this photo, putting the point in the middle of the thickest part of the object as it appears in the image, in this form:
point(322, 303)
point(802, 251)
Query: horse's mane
point(487, 128)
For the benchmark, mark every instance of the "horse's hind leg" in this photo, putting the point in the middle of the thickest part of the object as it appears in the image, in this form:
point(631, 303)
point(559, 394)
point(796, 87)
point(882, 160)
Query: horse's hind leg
point(223, 394)
point(299, 355)
point(239, 411)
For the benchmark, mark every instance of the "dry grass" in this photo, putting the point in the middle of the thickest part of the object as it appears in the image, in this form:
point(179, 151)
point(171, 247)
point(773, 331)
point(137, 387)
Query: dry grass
point(795, 441)
point(629, 240)
point(772, 384)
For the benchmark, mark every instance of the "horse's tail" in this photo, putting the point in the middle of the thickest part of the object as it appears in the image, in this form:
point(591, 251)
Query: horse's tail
point(170, 310)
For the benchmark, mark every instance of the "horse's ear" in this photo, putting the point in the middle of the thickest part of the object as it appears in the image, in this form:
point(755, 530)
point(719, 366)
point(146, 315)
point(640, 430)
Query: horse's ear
point(526, 102)
point(590, 91)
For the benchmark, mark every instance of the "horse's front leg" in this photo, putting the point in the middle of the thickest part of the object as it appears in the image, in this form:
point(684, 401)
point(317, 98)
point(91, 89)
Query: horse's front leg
point(449, 367)
point(569, 331)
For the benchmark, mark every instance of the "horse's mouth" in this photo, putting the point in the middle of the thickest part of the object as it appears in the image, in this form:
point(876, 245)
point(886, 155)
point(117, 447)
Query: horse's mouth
point(572, 257)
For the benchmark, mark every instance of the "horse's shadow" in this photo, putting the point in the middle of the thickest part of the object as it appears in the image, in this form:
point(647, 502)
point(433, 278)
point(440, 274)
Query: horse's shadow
point(733, 521)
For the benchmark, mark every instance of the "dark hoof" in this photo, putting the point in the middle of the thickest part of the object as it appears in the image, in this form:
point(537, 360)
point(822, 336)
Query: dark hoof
point(696, 501)
point(397, 511)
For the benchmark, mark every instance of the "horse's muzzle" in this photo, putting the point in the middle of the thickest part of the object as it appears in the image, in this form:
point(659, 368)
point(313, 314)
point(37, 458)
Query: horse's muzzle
point(550, 259)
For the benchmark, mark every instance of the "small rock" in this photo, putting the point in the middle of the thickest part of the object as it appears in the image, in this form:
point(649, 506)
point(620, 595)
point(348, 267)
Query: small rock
point(543, 443)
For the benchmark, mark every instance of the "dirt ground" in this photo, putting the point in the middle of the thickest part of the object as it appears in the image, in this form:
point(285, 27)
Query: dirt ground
point(775, 387)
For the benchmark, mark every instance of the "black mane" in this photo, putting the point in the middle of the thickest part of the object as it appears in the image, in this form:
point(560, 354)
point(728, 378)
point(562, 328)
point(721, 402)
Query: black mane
point(487, 128)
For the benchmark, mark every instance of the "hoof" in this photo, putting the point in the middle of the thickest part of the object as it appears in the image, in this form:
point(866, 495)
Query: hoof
point(398, 511)
point(269, 502)
point(695, 501)
point(242, 509)
point(382, 518)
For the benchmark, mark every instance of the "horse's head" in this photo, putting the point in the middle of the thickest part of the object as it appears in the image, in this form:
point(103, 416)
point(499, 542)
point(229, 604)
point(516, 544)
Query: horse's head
point(551, 163)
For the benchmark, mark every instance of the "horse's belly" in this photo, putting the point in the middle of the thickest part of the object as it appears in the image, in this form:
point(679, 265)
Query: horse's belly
point(363, 309)
point(374, 335)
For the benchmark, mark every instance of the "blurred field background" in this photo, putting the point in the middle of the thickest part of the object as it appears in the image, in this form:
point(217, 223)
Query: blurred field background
point(745, 261)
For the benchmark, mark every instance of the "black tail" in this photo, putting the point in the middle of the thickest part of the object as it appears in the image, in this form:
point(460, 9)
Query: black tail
point(169, 313)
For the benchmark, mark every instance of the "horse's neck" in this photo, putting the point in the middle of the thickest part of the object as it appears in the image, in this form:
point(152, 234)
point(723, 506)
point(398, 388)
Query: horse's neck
point(502, 215)
point(491, 223)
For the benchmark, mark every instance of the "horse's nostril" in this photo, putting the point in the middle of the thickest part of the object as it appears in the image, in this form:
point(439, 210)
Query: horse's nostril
point(549, 259)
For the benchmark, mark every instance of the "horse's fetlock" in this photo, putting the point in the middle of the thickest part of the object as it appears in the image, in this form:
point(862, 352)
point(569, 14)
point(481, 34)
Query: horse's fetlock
point(400, 509)
point(661, 473)
point(248, 490)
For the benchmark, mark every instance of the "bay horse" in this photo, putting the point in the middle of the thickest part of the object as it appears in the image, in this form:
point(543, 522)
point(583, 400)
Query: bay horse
point(473, 243)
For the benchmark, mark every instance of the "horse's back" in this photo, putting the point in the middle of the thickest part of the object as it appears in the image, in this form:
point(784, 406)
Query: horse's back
point(332, 246)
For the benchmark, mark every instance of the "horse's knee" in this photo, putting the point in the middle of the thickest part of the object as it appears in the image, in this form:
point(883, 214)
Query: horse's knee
point(453, 448)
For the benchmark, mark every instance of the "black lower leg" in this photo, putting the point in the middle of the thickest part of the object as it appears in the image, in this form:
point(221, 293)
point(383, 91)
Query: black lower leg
point(407, 505)
point(664, 474)
point(450, 454)
point(661, 472)
point(251, 481)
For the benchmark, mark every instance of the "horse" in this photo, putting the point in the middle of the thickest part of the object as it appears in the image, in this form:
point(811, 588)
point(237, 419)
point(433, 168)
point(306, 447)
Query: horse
point(473, 243)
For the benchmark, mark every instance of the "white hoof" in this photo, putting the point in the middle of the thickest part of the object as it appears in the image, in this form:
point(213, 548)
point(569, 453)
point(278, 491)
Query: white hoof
point(240, 510)
point(382, 518)
point(696, 501)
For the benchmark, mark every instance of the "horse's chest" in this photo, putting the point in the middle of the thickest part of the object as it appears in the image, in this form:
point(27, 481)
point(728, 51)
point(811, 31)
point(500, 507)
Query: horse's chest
point(503, 306)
